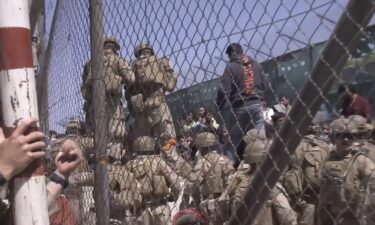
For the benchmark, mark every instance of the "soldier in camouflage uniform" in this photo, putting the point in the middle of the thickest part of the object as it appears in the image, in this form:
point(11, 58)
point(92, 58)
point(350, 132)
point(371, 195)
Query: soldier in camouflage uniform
point(146, 96)
point(302, 177)
point(155, 178)
point(83, 174)
point(344, 178)
point(117, 74)
point(125, 195)
point(253, 135)
point(209, 176)
point(365, 143)
point(277, 209)
point(181, 165)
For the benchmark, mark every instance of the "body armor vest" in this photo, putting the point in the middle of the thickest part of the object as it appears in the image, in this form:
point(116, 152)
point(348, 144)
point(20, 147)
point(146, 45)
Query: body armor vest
point(214, 183)
point(334, 189)
point(147, 174)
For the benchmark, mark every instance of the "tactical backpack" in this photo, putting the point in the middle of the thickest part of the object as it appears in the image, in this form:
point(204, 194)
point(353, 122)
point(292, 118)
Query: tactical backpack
point(124, 188)
point(334, 188)
point(293, 177)
point(214, 183)
point(154, 70)
point(145, 172)
point(112, 78)
point(293, 181)
point(116, 124)
point(366, 147)
point(148, 70)
point(315, 152)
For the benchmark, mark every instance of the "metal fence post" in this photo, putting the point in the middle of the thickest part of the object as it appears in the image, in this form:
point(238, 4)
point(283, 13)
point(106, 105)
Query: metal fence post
point(19, 100)
point(323, 74)
point(101, 193)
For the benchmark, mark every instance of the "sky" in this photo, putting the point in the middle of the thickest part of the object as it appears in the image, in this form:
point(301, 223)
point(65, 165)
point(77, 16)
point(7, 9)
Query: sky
point(193, 34)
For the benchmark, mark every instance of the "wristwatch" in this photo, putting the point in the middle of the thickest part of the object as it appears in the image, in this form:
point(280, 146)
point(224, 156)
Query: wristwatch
point(3, 181)
point(59, 180)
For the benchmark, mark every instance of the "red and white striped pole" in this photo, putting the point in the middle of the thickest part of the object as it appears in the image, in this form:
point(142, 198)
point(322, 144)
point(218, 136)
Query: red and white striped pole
point(18, 98)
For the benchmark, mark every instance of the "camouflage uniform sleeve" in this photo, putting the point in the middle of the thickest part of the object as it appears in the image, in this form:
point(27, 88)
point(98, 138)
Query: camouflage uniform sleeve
point(125, 188)
point(237, 188)
point(228, 171)
point(201, 167)
point(283, 211)
point(170, 76)
point(125, 71)
point(82, 178)
point(197, 174)
point(364, 166)
point(172, 177)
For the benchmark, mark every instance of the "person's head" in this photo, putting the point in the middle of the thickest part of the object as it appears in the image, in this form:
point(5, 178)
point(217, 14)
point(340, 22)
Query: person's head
point(206, 142)
point(144, 145)
point(264, 103)
point(253, 135)
point(111, 44)
point(326, 128)
point(209, 115)
point(115, 153)
point(284, 100)
point(190, 216)
point(202, 112)
point(278, 119)
point(346, 130)
point(234, 50)
point(191, 117)
point(223, 134)
point(143, 50)
point(254, 154)
point(74, 127)
point(347, 88)
point(346, 92)
point(181, 120)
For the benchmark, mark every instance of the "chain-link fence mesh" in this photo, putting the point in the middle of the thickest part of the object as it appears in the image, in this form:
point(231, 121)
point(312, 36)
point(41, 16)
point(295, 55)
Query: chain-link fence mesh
point(164, 105)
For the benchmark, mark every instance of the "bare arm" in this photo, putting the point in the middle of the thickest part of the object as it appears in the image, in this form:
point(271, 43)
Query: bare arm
point(67, 160)
point(224, 88)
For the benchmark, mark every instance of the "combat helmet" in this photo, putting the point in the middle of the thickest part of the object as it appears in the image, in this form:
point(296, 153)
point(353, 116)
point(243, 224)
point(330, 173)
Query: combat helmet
point(354, 124)
point(115, 151)
point(358, 124)
point(253, 135)
point(140, 47)
point(143, 144)
point(340, 126)
point(73, 127)
point(205, 139)
point(254, 152)
point(112, 39)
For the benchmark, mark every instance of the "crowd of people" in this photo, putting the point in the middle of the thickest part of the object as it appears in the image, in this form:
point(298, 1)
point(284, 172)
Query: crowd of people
point(201, 175)
point(198, 122)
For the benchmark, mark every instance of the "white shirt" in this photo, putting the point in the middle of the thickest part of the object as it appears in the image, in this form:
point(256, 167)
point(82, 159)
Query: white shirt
point(267, 114)
point(281, 108)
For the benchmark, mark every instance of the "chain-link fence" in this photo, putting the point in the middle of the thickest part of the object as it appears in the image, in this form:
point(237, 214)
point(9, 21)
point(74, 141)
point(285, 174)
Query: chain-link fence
point(179, 124)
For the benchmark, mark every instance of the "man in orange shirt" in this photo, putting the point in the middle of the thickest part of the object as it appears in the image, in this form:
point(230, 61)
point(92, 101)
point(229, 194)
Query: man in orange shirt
point(242, 86)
